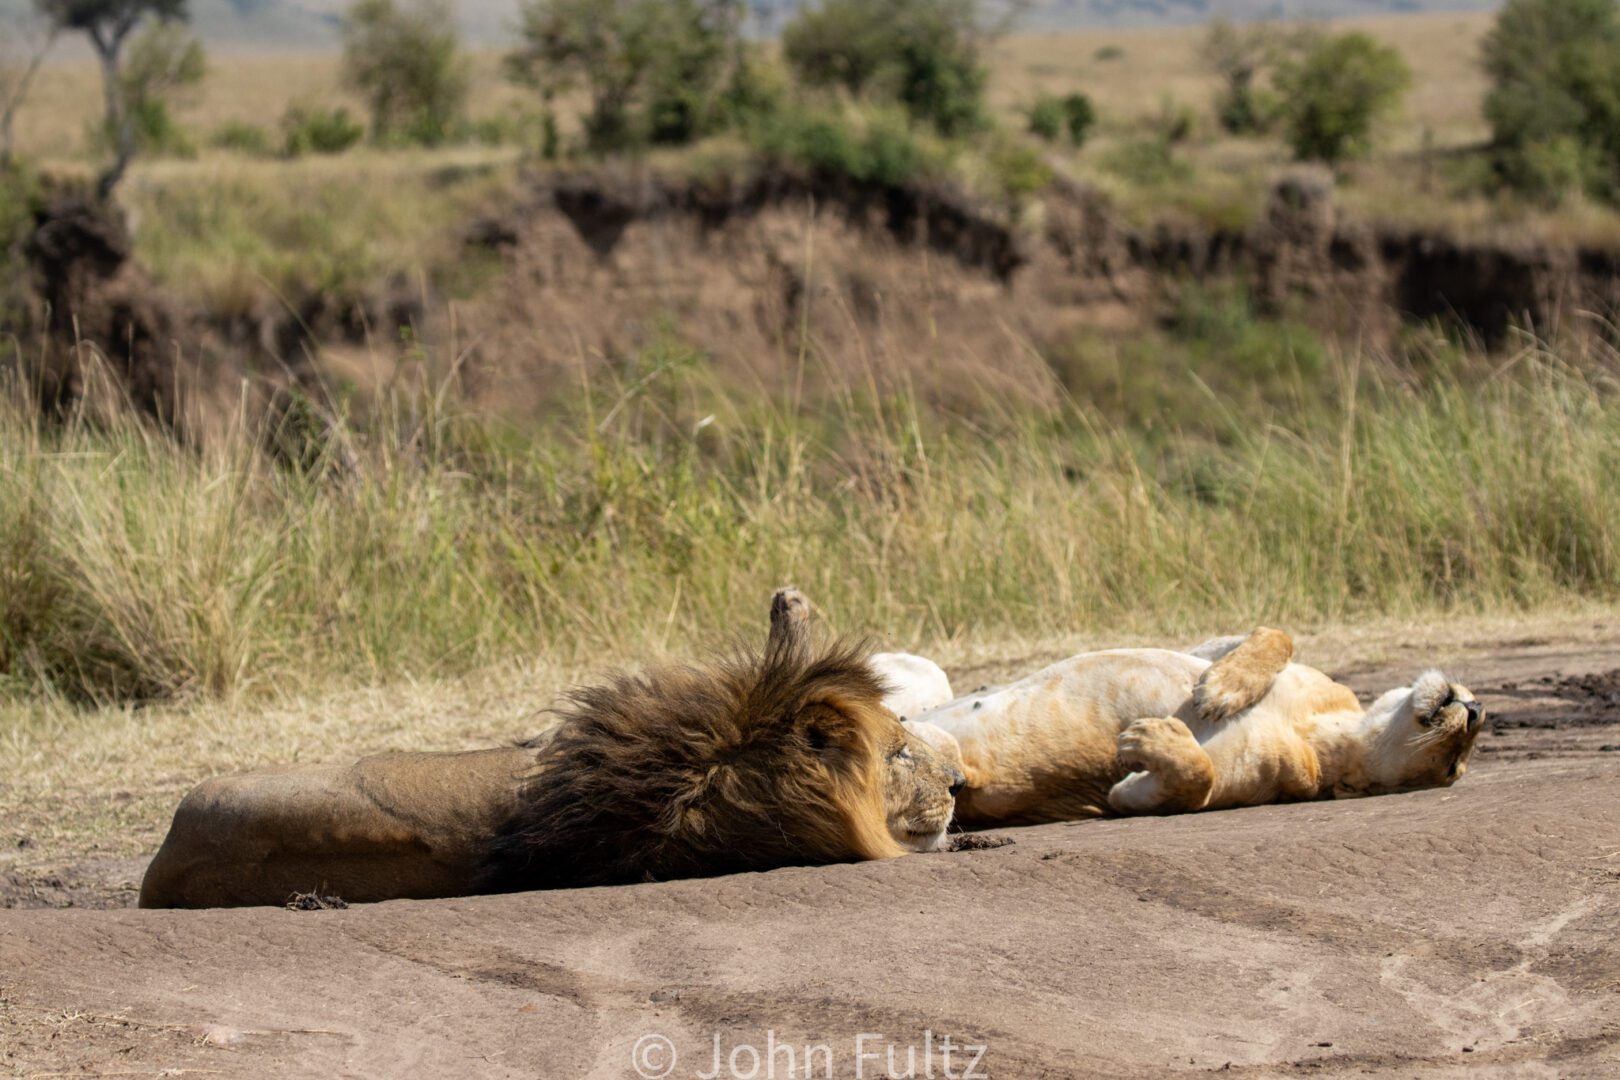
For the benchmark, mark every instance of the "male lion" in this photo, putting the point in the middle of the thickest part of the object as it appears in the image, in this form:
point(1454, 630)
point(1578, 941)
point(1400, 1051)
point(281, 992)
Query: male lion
point(1151, 731)
point(756, 761)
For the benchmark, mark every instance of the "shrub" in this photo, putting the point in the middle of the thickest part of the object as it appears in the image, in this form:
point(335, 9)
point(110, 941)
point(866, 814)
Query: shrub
point(20, 194)
point(1175, 121)
point(1554, 104)
point(1079, 117)
point(653, 70)
point(242, 137)
point(1017, 171)
point(1334, 93)
point(925, 54)
point(876, 148)
point(1237, 56)
point(157, 133)
point(1052, 117)
point(1046, 118)
point(162, 61)
point(312, 129)
point(1147, 163)
point(406, 62)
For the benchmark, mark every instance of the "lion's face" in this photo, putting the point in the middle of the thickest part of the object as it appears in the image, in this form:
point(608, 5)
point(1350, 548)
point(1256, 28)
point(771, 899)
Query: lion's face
point(919, 791)
point(1433, 729)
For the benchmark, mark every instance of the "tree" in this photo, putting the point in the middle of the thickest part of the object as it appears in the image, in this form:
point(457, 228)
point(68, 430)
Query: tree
point(653, 70)
point(1238, 56)
point(406, 61)
point(25, 38)
point(1554, 103)
point(163, 59)
point(1335, 92)
point(108, 24)
point(926, 54)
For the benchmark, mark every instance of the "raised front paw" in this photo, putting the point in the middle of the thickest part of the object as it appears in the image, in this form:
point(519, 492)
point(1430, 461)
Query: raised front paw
point(1155, 744)
point(1244, 675)
point(1167, 771)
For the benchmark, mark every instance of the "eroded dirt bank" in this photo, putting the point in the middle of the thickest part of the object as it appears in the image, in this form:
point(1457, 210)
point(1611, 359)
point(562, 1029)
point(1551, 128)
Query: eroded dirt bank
point(771, 272)
point(1474, 930)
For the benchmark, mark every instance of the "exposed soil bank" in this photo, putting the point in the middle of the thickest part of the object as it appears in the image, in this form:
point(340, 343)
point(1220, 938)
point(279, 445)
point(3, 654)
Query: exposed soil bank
point(771, 269)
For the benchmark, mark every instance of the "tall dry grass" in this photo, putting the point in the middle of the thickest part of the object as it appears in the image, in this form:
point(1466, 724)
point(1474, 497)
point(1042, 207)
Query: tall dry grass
point(653, 515)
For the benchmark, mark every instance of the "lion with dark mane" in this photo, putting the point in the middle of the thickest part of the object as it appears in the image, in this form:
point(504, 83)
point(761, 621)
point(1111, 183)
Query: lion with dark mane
point(759, 760)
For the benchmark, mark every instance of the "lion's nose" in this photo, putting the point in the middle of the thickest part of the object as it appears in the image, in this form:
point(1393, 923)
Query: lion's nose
point(958, 782)
point(1475, 711)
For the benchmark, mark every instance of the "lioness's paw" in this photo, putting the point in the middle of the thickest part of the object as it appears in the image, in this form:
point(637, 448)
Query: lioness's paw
point(1157, 743)
point(1244, 675)
point(789, 603)
point(790, 616)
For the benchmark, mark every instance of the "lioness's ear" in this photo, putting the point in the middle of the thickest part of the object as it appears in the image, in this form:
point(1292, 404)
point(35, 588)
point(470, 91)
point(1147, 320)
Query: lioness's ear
point(1430, 693)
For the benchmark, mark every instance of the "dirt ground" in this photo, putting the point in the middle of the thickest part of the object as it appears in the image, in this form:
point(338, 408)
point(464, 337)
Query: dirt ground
point(1475, 929)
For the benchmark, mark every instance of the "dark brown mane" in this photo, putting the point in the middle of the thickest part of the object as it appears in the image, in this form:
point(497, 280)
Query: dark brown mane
point(755, 761)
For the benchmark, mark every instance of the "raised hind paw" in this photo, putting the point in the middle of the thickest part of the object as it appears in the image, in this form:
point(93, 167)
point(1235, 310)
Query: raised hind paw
point(790, 618)
point(1243, 675)
point(1168, 771)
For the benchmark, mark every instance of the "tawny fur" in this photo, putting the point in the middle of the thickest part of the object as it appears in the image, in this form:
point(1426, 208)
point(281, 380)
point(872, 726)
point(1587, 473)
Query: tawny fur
point(761, 759)
point(1152, 731)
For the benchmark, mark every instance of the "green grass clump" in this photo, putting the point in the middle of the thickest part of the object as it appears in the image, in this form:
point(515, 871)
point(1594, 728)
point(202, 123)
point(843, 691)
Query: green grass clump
point(1208, 371)
point(255, 234)
point(656, 513)
point(315, 129)
point(874, 145)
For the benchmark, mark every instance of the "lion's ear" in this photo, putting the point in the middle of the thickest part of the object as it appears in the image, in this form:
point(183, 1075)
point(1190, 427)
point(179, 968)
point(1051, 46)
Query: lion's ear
point(828, 730)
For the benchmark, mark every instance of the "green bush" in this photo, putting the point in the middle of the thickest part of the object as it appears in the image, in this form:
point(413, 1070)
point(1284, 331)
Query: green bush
point(406, 62)
point(1333, 94)
point(1147, 163)
point(1046, 118)
point(876, 148)
point(242, 137)
point(1079, 117)
point(1175, 122)
point(20, 194)
point(1554, 104)
point(158, 134)
point(312, 129)
point(1238, 56)
point(925, 54)
point(654, 71)
point(1018, 171)
point(1052, 118)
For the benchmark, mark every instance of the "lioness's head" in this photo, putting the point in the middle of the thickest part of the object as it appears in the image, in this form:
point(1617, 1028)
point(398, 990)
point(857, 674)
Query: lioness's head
point(759, 760)
point(1430, 731)
point(920, 787)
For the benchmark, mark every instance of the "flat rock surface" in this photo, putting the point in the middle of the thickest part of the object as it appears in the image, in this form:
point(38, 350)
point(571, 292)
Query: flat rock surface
point(1474, 930)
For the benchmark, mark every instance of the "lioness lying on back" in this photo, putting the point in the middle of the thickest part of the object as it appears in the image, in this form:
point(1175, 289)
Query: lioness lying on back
point(1152, 731)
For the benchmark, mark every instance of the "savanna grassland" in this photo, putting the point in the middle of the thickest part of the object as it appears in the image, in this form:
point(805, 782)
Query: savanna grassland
point(431, 571)
point(229, 226)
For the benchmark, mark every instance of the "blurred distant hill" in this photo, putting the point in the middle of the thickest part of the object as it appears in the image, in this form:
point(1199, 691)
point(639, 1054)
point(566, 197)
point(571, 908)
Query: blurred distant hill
point(270, 25)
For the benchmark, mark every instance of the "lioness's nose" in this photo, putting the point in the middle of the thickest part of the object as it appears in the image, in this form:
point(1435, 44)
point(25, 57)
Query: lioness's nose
point(1475, 712)
point(958, 782)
